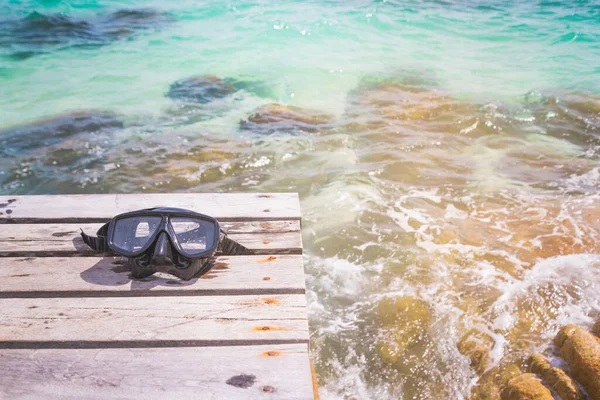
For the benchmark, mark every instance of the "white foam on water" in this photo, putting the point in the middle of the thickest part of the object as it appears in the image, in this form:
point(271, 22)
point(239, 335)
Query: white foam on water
point(486, 177)
point(578, 273)
point(340, 276)
point(454, 213)
point(587, 180)
point(349, 383)
point(403, 215)
point(337, 204)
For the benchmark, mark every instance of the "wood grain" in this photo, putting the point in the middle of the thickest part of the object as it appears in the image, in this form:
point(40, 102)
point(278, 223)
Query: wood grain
point(102, 207)
point(243, 372)
point(179, 320)
point(109, 276)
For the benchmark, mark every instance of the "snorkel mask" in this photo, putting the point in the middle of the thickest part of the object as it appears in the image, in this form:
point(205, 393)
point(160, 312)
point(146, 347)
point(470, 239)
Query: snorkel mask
point(172, 240)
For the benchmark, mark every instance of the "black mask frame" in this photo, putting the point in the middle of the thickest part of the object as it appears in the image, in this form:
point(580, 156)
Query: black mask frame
point(162, 250)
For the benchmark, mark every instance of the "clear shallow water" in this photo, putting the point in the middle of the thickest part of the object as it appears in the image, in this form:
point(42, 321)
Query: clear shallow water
point(448, 168)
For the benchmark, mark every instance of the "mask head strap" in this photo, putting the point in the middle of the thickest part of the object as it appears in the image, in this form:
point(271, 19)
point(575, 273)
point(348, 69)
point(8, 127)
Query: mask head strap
point(231, 247)
point(100, 243)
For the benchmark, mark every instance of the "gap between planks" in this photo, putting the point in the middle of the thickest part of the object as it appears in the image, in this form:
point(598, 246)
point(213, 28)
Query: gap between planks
point(143, 344)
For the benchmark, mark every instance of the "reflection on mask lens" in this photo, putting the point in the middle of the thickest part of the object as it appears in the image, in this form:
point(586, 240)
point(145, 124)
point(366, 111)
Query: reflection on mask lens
point(194, 235)
point(132, 234)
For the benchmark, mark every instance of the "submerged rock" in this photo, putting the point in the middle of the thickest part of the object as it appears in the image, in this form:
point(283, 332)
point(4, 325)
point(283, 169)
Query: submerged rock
point(278, 118)
point(38, 33)
point(201, 89)
point(406, 320)
point(596, 327)
point(52, 155)
point(526, 387)
point(419, 131)
point(392, 104)
point(555, 378)
point(170, 163)
point(493, 380)
point(124, 23)
point(50, 131)
point(476, 345)
point(581, 350)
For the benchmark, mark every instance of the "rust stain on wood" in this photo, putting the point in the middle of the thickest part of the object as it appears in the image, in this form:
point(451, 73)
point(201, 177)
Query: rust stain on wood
point(268, 328)
point(270, 300)
point(267, 278)
point(266, 226)
point(270, 353)
point(268, 259)
point(265, 300)
point(266, 242)
point(265, 196)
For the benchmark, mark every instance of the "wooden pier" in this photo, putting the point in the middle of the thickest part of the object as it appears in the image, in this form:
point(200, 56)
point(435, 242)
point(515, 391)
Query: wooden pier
point(75, 325)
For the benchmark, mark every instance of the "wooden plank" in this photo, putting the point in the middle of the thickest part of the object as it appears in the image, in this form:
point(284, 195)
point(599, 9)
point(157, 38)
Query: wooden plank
point(31, 240)
point(102, 207)
point(152, 321)
point(96, 276)
point(246, 372)
point(55, 230)
point(275, 226)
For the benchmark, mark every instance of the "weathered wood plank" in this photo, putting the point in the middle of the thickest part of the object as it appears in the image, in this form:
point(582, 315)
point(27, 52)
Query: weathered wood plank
point(59, 230)
point(30, 240)
point(266, 226)
point(245, 372)
point(96, 276)
point(153, 321)
point(102, 207)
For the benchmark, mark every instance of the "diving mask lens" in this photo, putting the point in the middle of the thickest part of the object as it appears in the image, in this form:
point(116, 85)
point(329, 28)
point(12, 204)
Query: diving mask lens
point(194, 235)
point(134, 233)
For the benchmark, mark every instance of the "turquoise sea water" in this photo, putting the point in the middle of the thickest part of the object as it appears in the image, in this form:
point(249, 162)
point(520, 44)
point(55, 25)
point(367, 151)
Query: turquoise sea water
point(455, 168)
point(313, 52)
